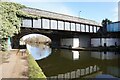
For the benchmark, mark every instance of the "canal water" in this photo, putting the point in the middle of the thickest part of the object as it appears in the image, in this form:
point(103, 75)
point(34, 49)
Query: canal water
point(63, 63)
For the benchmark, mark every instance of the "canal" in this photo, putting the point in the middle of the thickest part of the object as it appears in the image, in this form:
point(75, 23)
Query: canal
point(63, 63)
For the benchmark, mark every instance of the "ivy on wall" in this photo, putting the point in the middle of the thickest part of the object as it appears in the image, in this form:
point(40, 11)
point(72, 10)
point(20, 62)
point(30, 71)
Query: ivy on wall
point(10, 20)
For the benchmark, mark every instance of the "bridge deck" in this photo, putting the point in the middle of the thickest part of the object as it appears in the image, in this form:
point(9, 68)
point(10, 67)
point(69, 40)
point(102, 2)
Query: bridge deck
point(59, 16)
point(55, 21)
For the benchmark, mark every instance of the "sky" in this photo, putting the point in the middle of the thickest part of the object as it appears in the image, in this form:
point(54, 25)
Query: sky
point(89, 10)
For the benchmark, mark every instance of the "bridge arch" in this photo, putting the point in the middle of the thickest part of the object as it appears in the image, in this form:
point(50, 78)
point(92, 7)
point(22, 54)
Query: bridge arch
point(16, 41)
point(35, 38)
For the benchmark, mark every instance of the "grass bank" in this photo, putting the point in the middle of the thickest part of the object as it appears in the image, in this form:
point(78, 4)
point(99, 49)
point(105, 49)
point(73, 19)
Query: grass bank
point(35, 71)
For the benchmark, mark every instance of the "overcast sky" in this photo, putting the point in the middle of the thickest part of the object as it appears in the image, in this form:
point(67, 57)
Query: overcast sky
point(90, 10)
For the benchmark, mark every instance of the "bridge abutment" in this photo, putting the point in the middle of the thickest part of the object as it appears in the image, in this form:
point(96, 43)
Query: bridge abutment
point(80, 41)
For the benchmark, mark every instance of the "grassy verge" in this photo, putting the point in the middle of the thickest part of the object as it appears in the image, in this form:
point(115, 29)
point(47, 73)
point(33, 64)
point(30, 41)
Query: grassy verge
point(35, 71)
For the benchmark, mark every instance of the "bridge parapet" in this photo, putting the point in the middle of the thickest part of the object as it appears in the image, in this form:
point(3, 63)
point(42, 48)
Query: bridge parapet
point(55, 21)
point(54, 15)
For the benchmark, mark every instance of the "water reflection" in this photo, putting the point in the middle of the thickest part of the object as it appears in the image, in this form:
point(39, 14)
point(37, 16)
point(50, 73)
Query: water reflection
point(105, 55)
point(62, 61)
point(106, 76)
point(39, 51)
point(113, 70)
point(76, 55)
point(69, 54)
point(76, 73)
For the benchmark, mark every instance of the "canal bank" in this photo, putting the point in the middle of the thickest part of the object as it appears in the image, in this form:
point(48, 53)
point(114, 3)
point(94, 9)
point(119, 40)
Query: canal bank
point(13, 66)
point(18, 66)
point(112, 48)
point(34, 70)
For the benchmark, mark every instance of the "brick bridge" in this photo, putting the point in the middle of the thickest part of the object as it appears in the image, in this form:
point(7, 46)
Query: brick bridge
point(64, 30)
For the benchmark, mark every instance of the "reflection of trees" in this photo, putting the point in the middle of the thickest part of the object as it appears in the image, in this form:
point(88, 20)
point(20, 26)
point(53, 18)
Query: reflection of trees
point(39, 51)
point(36, 40)
point(36, 44)
point(41, 46)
